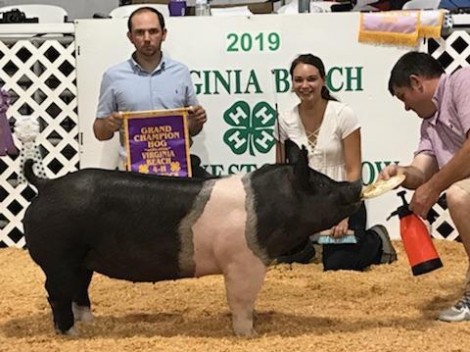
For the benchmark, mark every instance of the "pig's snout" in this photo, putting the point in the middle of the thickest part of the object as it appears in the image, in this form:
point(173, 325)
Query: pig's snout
point(350, 196)
point(351, 192)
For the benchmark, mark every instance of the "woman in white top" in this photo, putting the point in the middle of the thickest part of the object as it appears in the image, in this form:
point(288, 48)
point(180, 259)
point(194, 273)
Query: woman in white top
point(331, 133)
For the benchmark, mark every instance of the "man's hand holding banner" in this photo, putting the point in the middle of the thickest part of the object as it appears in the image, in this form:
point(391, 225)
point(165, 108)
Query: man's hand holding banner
point(157, 142)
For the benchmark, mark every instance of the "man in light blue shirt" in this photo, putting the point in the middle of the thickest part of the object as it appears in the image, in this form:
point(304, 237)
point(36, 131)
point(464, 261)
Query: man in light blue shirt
point(147, 81)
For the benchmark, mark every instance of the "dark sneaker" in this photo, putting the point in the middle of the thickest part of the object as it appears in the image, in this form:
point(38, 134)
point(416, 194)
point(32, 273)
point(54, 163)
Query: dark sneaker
point(389, 255)
point(459, 312)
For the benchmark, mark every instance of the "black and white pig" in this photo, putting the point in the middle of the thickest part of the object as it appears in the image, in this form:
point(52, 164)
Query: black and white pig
point(146, 228)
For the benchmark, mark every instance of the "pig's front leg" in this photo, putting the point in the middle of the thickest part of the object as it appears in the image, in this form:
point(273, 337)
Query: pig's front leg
point(243, 281)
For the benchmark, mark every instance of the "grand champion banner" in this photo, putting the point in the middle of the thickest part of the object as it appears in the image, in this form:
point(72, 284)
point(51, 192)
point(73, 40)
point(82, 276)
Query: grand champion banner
point(157, 142)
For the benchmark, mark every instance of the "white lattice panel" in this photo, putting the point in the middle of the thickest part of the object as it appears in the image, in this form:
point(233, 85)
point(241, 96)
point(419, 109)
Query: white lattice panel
point(453, 52)
point(39, 74)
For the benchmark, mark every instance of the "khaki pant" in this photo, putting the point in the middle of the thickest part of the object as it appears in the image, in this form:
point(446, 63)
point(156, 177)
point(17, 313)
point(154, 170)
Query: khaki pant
point(122, 165)
point(464, 184)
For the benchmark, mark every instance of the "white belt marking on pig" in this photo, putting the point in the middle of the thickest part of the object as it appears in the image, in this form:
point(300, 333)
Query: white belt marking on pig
point(219, 238)
point(224, 241)
point(251, 223)
point(186, 260)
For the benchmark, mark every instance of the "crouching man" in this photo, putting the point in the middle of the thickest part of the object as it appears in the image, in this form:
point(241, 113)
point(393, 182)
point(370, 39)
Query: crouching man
point(442, 161)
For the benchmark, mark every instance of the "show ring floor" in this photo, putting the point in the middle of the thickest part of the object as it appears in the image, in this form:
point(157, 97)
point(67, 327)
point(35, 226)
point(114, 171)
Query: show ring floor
point(300, 308)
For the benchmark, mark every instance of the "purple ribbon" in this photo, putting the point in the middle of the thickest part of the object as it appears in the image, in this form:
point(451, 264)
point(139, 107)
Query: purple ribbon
point(7, 146)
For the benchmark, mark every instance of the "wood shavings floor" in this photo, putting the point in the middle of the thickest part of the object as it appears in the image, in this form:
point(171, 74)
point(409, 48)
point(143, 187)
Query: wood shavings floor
point(300, 308)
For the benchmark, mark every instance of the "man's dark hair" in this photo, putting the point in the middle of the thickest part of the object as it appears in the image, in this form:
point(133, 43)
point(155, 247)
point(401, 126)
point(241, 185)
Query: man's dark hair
point(315, 61)
point(161, 19)
point(413, 63)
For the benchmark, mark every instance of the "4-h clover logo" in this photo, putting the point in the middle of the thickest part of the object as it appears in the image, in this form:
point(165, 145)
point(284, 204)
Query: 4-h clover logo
point(252, 129)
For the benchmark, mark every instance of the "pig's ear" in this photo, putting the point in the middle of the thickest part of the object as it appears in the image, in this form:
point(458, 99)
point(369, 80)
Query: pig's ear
point(292, 151)
point(301, 169)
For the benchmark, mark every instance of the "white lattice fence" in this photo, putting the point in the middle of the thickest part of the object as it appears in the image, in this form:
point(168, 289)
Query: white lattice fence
point(453, 51)
point(39, 74)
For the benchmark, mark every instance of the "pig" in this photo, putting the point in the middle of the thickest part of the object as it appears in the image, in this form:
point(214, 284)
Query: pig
point(148, 228)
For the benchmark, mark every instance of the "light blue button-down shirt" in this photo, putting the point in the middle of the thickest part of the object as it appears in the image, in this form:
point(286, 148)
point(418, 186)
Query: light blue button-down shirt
point(127, 87)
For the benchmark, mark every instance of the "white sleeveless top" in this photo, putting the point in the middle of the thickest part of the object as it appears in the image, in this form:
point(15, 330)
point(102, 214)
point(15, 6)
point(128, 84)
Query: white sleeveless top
point(327, 156)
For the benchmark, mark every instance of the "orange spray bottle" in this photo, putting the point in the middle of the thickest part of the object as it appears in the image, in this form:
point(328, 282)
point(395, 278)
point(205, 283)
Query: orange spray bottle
point(419, 248)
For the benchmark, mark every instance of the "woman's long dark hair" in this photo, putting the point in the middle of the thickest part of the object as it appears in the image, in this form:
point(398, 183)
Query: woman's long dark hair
point(315, 61)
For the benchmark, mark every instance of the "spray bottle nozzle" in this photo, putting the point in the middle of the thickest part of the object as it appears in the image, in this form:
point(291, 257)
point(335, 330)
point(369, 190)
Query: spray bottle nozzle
point(403, 209)
point(402, 194)
point(393, 213)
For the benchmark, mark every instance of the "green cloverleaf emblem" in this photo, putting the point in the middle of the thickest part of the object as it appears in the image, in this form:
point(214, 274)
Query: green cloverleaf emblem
point(251, 130)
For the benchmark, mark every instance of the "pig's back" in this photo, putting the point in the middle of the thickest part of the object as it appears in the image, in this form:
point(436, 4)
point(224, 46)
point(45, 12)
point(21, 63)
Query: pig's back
point(127, 225)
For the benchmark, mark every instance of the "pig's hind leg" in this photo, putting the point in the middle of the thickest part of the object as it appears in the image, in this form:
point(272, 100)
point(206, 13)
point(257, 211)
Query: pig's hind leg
point(66, 282)
point(242, 283)
point(60, 293)
point(81, 305)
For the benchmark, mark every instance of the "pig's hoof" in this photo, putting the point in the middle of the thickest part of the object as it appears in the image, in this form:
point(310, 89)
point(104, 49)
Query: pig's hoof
point(246, 334)
point(70, 332)
point(82, 313)
point(245, 331)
